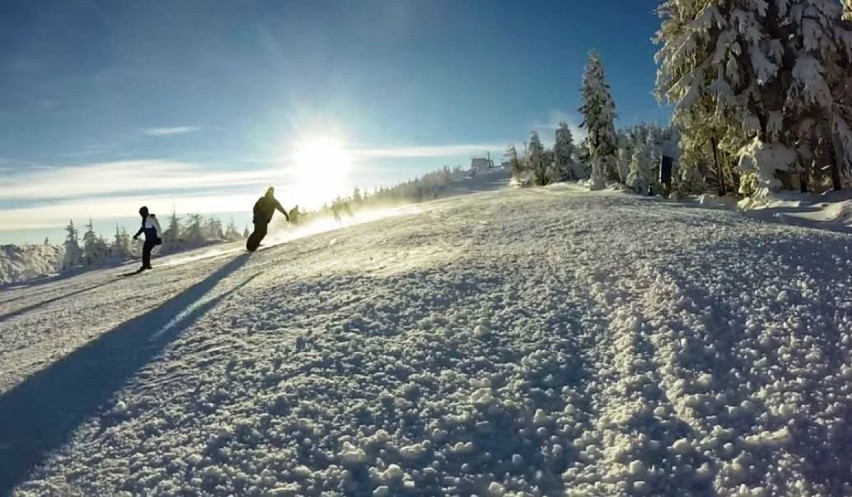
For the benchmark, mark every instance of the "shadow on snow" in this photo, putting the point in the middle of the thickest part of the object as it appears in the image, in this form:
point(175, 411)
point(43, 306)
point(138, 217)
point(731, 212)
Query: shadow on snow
point(38, 415)
point(31, 307)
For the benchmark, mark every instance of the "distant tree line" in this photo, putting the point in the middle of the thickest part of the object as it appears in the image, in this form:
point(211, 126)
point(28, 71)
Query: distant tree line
point(426, 187)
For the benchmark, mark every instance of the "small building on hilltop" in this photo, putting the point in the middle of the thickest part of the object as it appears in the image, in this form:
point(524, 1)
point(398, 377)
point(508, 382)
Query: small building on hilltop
point(478, 163)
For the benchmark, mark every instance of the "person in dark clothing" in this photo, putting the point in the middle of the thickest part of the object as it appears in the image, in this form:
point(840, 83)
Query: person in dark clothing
point(151, 228)
point(294, 215)
point(263, 211)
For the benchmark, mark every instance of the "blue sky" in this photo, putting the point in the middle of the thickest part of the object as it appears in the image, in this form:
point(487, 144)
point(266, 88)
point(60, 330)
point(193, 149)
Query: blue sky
point(201, 104)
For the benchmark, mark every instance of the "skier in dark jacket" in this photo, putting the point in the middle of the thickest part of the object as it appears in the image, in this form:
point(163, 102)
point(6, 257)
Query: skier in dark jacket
point(151, 228)
point(263, 211)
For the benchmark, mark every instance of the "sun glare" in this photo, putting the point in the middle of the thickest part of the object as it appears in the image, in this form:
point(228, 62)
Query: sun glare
point(321, 166)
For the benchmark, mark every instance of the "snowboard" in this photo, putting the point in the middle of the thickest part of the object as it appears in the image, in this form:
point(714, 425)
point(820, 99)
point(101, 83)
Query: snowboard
point(253, 241)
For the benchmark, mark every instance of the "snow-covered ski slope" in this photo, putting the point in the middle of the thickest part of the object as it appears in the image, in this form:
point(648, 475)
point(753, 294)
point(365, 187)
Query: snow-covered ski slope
point(519, 342)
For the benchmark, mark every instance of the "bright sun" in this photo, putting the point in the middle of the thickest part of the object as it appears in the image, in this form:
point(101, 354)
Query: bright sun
point(321, 167)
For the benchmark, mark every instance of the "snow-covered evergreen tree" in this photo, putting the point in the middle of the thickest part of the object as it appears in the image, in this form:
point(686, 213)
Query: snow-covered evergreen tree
point(764, 77)
point(231, 232)
point(213, 229)
point(515, 163)
point(537, 160)
point(816, 105)
point(73, 253)
point(548, 171)
point(624, 156)
point(122, 244)
point(598, 109)
point(94, 247)
point(563, 154)
point(172, 234)
point(640, 175)
point(686, 82)
point(641, 148)
point(246, 232)
point(193, 233)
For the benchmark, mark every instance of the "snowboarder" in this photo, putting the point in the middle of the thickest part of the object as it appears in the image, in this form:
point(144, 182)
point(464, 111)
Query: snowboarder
point(294, 215)
point(263, 211)
point(151, 228)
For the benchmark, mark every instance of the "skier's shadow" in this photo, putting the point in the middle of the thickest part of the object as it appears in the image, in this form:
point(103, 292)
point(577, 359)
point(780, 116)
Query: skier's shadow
point(38, 415)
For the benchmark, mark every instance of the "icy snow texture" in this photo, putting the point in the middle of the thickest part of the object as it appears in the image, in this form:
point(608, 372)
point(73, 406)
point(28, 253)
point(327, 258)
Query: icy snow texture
point(633, 347)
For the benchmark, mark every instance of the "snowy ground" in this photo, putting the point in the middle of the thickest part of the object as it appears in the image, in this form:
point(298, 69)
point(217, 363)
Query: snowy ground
point(829, 211)
point(526, 342)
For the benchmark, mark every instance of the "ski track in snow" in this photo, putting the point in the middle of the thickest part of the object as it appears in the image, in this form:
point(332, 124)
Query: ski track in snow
point(530, 342)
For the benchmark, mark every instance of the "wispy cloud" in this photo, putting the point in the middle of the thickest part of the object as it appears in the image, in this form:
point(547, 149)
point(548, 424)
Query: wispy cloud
point(428, 151)
point(111, 178)
point(57, 214)
point(41, 198)
point(170, 131)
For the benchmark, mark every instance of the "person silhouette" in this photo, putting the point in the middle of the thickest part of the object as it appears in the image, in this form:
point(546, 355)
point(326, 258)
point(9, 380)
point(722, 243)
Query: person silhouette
point(262, 212)
point(151, 229)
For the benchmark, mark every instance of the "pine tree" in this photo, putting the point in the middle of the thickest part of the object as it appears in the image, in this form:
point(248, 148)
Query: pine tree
point(102, 249)
point(818, 98)
point(231, 232)
point(598, 109)
point(194, 232)
point(761, 80)
point(537, 161)
point(212, 229)
point(121, 245)
point(548, 172)
point(515, 163)
point(171, 237)
point(246, 232)
point(356, 195)
point(90, 245)
point(563, 154)
point(72, 248)
point(639, 176)
point(682, 81)
point(624, 156)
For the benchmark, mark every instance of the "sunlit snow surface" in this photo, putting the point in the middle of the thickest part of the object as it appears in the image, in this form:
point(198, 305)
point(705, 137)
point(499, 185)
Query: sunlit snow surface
point(522, 342)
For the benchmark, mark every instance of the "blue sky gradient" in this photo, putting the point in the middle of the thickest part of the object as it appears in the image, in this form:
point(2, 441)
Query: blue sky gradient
point(117, 93)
